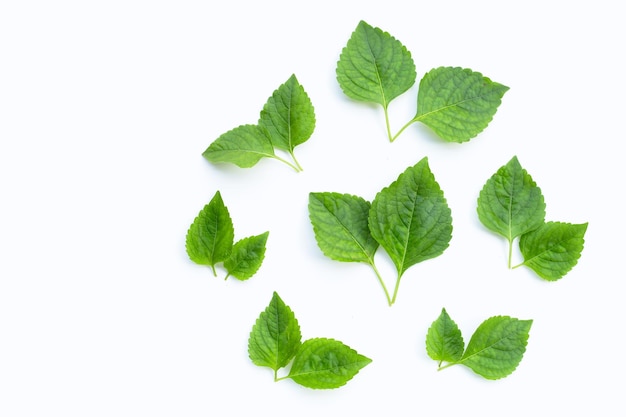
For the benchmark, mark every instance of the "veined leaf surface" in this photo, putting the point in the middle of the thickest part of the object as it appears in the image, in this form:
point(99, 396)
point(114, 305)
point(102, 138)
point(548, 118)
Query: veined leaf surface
point(243, 146)
point(246, 257)
point(444, 342)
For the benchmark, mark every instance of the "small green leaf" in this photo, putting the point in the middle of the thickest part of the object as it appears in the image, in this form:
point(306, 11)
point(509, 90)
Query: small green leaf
point(275, 337)
point(411, 219)
point(374, 66)
point(553, 249)
point(457, 103)
point(340, 226)
point(444, 341)
point(246, 257)
point(496, 348)
point(288, 116)
point(325, 364)
point(243, 146)
point(210, 237)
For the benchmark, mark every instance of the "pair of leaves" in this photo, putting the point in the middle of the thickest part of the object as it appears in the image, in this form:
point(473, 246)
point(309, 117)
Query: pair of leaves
point(286, 121)
point(512, 205)
point(410, 219)
point(456, 103)
point(494, 351)
point(319, 363)
point(210, 240)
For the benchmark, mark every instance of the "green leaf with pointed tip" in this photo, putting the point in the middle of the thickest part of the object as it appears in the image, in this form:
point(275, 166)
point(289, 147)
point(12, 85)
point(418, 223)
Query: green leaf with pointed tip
point(411, 219)
point(288, 116)
point(497, 346)
point(374, 66)
point(210, 237)
point(246, 257)
point(275, 337)
point(340, 226)
point(553, 249)
point(457, 103)
point(444, 341)
point(510, 203)
point(243, 146)
point(323, 363)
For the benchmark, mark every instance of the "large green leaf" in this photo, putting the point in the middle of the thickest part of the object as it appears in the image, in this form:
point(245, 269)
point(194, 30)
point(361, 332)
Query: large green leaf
point(374, 66)
point(210, 237)
point(323, 363)
point(457, 103)
point(510, 203)
point(497, 346)
point(553, 249)
point(444, 341)
point(411, 219)
point(243, 146)
point(340, 226)
point(275, 337)
point(288, 115)
point(247, 256)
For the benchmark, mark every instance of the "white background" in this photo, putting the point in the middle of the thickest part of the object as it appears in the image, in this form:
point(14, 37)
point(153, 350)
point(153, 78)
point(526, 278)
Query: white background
point(105, 109)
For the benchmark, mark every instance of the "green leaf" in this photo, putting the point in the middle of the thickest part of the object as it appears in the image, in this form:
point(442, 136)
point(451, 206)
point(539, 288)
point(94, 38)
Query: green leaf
point(325, 364)
point(210, 237)
point(510, 203)
point(457, 103)
point(496, 348)
point(246, 257)
point(411, 219)
point(444, 341)
point(374, 66)
point(243, 146)
point(275, 337)
point(340, 226)
point(288, 116)
point(553, 249)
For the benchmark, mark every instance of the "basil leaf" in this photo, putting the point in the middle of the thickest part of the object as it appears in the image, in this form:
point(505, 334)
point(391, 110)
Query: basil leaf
point(243, 146)
point(553, 249)
point(323, 363)
point(275, 336)
point(246, 257)
point(444, 341)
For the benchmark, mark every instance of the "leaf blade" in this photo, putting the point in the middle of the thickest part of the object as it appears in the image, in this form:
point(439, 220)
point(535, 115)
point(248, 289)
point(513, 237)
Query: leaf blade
point(247, 256)
point(444, 342)
point(243, 146)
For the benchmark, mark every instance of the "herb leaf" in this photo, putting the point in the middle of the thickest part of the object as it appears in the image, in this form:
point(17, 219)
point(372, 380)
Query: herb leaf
point(210, 237)
point(553, 249)
point(323, 363)
point(246, 257)
point(243, 146)
point(411, 219)
point(288, 116)
point(275, 337)
point(510, 203)
point(444, 341)
point(375, 67)
point(457, 103)
point(496, 348)
point(340, 226)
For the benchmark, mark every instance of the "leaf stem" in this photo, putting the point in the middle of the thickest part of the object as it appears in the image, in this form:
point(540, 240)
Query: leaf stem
point(296, 160)
point(214, 271)
point(402, 129)
point(387, 124)
point(449, 364)
point(297, 168)
point(510, 251)
point(382, 283)
point(395, 290)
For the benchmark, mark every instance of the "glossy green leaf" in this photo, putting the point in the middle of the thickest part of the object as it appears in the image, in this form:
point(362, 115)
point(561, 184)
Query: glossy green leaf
point(323, 363)
point(246, 257)
point(210, 237)
point(444, 341)
point(457, 103)
point(496, 348)
point(411, 219)
point(340, 226)
point(275, 337)
point(374, 66)
point(243, 146)
point(553, 249)
point(288, 116)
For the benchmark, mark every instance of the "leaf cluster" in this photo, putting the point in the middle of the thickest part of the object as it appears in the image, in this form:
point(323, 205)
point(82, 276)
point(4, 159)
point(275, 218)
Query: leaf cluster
point(494, 351)
point(456, 103)
point(512, 205)
point(320, 363)
point(210, 240)
point(410, 219)
point(286, 121)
